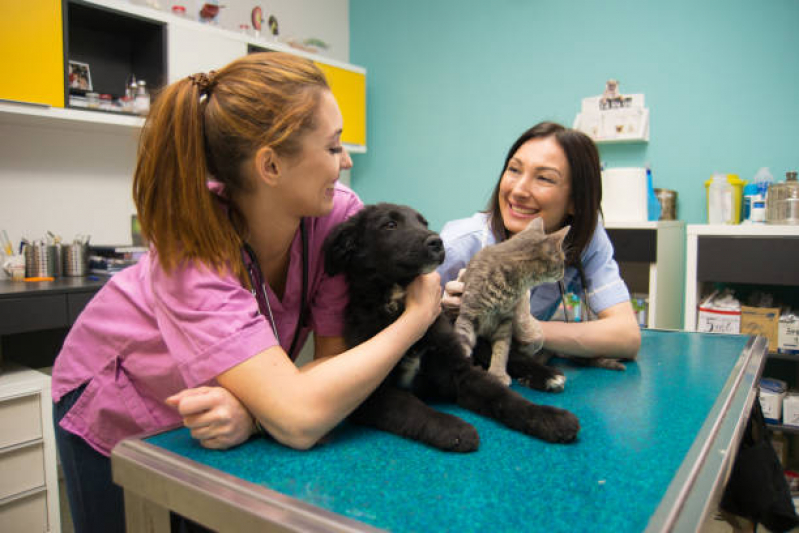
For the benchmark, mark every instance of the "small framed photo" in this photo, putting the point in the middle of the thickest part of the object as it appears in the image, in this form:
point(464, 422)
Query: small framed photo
point(80, 76)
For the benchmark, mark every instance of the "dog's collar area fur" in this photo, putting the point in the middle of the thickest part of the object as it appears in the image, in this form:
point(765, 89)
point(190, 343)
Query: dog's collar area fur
point(396, 300)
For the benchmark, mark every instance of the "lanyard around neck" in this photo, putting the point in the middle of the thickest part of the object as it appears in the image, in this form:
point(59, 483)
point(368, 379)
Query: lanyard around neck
point(258, 283)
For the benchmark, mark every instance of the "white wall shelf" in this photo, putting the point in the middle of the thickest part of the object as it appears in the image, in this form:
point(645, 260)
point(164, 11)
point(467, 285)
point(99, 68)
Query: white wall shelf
point(746, 253)
point(650, 257)
point(58, 117)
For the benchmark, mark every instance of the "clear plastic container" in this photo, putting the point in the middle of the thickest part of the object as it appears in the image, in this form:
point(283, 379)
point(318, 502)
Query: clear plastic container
point(736, 198)
point(720, 201)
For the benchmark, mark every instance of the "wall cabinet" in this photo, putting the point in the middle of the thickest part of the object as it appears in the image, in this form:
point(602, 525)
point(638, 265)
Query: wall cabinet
point(119, 39)
point(32, 61)
point(651, 257)
point(196, 48)
point(29, 482)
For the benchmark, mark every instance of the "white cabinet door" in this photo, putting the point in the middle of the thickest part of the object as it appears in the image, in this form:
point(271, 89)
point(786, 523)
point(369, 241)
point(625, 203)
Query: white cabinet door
point(196, 49)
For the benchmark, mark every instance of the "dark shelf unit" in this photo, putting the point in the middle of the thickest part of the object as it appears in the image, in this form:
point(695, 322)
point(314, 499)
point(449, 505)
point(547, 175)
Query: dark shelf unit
point(115, 45)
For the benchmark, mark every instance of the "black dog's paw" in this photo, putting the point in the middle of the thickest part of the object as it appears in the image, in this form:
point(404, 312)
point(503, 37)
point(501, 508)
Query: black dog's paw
point(547, 379)
point(455, 436)
point(551, 424)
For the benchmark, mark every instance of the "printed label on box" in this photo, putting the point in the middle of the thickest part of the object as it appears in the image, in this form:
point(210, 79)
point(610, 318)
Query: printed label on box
point(718, 321)
point(788, 337)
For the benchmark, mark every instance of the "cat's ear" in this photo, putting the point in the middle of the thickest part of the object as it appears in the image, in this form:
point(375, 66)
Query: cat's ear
point(560, 235)
point(536, 225)
point(340, 246)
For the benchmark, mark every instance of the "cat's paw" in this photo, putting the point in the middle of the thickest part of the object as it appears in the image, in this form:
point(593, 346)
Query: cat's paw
point(501, 376)
point(552, 424)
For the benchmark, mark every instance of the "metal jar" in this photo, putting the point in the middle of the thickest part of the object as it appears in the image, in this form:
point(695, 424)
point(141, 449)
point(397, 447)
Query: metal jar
point(668, 203)
point(40, 260)
point(75, 259)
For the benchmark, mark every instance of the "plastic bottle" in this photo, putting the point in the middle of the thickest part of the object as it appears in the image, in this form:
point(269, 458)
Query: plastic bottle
point(141, 103)
point(751, 192)
point(652, 203)
point(720, 200)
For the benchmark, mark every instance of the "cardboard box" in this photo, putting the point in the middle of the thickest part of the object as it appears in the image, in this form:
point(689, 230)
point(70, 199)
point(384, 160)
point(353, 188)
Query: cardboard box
point(762, 321)
point(772, 392)
point(718, 320)
point(790, 409)
point(788, 335)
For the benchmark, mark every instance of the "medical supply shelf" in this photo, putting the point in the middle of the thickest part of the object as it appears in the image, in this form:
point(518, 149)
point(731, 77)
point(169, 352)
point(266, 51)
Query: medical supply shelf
point(650, 257)
point(742, 254)
point(116, 39)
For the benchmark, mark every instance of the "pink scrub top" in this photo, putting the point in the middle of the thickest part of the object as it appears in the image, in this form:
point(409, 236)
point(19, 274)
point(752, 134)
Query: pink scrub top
point(147, 335)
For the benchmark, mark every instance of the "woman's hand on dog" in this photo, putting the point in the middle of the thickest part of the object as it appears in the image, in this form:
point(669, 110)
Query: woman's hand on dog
point(451, 301)
point(423, 299)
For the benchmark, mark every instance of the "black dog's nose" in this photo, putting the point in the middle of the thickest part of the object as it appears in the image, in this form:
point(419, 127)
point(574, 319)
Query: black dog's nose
point(434, 243)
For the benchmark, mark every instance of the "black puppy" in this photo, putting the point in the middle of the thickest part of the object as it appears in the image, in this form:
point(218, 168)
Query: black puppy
point(381, 250)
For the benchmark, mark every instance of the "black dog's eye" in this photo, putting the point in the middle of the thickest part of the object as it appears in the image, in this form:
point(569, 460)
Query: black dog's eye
point(390, 225)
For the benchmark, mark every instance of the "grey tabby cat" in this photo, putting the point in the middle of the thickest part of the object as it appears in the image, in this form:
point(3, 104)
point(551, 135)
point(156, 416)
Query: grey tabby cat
point(495, 303)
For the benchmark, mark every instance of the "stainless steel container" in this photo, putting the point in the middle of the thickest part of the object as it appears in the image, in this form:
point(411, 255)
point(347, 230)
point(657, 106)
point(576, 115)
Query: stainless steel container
point(40, 260)
point(782, 201)
point(668, 203)
point(75, 259)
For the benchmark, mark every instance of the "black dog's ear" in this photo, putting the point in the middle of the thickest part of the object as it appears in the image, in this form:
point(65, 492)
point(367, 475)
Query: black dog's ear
point(340, 245)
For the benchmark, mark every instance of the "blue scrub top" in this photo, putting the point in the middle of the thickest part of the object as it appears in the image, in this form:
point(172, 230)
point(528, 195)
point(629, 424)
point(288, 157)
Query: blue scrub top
point(465, 237)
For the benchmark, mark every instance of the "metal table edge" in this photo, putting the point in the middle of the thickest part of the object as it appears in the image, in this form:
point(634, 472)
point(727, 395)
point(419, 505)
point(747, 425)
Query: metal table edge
point(183, 476)
point(698, 484)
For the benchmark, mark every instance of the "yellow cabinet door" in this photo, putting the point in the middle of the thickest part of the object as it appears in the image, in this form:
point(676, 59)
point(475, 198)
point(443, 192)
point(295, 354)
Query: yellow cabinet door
point(349, 88)
point(32, 52)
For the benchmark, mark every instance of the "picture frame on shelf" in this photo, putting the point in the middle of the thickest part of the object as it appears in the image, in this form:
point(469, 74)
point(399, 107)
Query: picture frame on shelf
point(79, 77)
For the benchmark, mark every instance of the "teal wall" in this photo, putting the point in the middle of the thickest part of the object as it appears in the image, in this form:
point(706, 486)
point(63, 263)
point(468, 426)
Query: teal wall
point(452, 83)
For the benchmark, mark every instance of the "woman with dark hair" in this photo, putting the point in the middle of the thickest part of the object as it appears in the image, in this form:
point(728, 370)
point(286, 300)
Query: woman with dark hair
point(553, 172)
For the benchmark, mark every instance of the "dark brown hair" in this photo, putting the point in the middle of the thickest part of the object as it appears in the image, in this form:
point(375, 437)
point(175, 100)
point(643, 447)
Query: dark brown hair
point(586, 185)
point(206, 126)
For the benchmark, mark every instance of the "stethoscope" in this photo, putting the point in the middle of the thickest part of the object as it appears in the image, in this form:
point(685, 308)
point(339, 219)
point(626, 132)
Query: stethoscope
point(258, 283)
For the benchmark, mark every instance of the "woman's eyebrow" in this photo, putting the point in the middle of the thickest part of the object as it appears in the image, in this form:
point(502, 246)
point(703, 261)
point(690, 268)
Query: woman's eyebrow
point(517, 161)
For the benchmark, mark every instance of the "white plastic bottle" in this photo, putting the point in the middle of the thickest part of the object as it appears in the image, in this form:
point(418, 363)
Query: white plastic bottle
point(720, 200)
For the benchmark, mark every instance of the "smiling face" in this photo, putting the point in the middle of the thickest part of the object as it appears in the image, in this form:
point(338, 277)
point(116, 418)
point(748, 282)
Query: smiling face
point(536, 183)
point(310, 176)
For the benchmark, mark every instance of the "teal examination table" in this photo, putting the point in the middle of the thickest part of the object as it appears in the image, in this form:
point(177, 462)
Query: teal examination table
point(656, 446)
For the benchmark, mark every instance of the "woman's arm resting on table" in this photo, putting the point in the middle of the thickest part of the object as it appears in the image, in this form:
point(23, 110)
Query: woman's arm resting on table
point(215, 417)
point(298, 406)
point(615, 334)
point(218, 419)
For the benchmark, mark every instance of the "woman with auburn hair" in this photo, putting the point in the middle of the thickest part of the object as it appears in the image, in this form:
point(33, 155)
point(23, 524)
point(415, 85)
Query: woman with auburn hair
point(236, 188)
point(553, 172)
